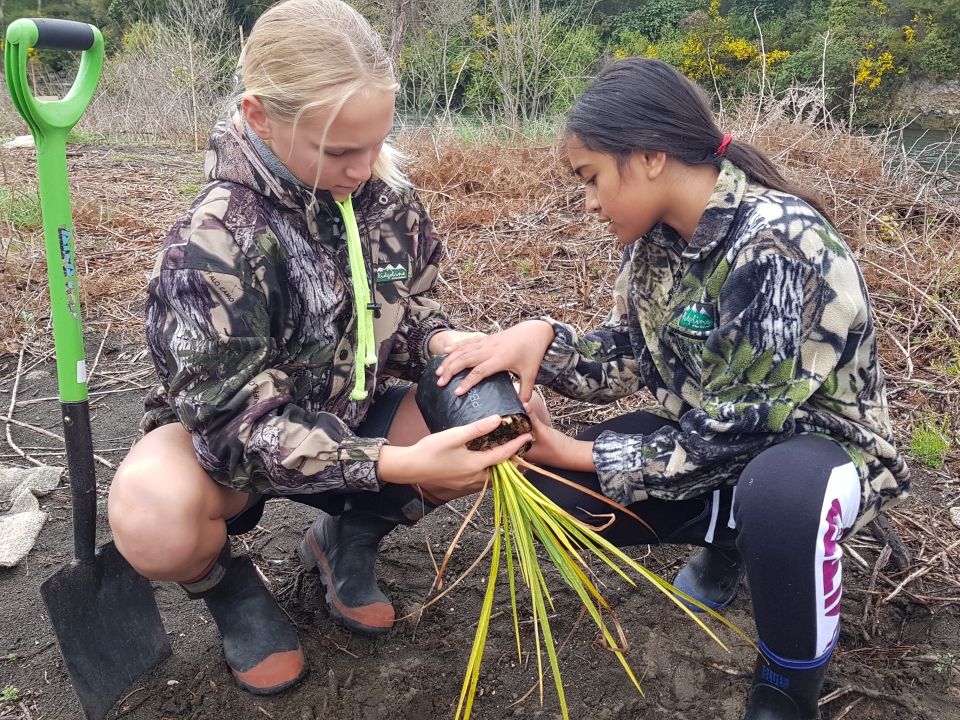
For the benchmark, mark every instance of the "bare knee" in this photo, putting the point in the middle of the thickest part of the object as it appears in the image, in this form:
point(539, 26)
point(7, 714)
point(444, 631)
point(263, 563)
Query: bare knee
point(165, 512)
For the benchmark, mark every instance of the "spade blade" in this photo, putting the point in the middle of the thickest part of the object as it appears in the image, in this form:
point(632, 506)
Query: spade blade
point(107, 625)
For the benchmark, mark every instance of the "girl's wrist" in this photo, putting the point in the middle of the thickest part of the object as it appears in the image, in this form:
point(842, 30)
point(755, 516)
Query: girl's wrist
point(391, 465)
point(581, 456)
point(543, 330)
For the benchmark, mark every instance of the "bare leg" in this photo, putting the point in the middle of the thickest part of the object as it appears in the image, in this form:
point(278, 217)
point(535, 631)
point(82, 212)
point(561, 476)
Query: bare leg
point(343, 548)
point(168, 519)
point(167, 514)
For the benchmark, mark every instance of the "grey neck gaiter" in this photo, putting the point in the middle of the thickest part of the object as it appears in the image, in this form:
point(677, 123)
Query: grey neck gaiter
point(269, 159)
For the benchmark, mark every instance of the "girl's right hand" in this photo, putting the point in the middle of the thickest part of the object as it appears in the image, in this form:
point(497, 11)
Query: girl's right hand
point(442, 463)
point(519, 349)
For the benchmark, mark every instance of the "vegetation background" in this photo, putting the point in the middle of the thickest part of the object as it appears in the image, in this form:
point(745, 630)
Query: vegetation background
point(484, 89)
point(485, 85)
point(520, 62)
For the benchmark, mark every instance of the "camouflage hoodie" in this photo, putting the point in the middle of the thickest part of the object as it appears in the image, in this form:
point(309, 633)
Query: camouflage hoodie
point(758, 329)
point(251, 324)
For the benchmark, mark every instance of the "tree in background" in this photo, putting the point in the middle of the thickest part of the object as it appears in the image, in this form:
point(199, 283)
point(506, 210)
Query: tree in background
point(434, 62)
point(172, 73)
point(932, 32)
point(531, 61)
point(651, 20)
point(242, 13)
point(92, 11)
point(518, 61)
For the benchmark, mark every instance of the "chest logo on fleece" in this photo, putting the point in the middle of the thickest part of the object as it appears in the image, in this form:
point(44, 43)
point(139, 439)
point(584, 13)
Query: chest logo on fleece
point(391, 273)
point(698, 317)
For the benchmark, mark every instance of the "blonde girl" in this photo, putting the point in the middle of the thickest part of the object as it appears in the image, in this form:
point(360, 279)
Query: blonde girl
point(283, 308)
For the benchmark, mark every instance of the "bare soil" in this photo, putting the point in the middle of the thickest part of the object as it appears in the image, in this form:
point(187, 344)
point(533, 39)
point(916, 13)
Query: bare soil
point(899, 654)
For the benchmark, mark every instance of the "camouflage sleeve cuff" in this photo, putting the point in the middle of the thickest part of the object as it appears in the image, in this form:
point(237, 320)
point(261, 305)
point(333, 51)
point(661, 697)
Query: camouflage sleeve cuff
point(358, 458)
point(618, 482)
point(561, 355)
point(419, 339)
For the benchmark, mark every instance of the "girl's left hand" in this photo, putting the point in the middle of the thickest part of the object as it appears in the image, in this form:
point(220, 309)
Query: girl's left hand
point(551, 447)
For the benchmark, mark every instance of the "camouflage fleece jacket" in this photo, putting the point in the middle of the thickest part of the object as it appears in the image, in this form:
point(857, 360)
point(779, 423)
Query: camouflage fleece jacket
point(251, 325)
point(758, 329)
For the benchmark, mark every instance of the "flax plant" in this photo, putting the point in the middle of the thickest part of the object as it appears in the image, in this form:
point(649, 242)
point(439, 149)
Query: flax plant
point(524, 518)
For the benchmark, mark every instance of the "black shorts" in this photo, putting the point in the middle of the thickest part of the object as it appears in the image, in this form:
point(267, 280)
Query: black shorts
point(376, 424)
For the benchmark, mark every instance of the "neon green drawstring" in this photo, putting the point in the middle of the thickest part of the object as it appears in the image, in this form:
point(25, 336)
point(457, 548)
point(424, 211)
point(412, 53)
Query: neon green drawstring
point(365, 351)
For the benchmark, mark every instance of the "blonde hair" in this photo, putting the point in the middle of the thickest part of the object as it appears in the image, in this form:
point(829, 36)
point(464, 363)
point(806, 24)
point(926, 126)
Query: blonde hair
point(305, 55)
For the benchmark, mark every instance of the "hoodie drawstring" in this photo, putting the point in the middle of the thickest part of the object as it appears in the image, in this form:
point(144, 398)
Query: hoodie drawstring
point(364, 354)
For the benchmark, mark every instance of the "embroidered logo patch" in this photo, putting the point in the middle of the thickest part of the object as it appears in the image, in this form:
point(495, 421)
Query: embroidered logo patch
point(697, 317)
point(391, 273)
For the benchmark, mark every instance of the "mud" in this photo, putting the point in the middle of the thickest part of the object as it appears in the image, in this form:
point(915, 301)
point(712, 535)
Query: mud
point(899, 660)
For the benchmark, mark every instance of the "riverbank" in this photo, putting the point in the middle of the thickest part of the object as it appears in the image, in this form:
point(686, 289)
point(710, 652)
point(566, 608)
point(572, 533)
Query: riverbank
point(933, 105)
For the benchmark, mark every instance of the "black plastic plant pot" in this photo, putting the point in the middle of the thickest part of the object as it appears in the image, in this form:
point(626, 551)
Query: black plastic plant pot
point(494, 395)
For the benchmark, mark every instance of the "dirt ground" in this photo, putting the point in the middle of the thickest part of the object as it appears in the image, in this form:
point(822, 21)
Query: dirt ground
point(899, 653)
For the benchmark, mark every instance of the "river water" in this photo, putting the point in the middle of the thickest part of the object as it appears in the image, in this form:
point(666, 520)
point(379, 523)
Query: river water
point(935, 150)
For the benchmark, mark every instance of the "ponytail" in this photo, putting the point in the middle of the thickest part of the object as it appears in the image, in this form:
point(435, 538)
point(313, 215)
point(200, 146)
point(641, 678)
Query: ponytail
point(761, 170)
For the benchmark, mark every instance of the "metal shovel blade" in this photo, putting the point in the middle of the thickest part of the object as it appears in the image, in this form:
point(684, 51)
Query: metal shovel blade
point(107, 625)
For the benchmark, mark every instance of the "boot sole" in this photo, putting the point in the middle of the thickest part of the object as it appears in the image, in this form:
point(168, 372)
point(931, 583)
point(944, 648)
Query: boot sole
point(313, 559)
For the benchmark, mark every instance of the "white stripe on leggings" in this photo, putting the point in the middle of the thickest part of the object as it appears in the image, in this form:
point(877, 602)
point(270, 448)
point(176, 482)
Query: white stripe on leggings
point(731, 522)
point(841, 501)
point(714, 512)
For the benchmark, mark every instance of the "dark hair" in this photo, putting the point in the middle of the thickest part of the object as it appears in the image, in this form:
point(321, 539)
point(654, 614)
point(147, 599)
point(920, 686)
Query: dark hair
point(644, 104)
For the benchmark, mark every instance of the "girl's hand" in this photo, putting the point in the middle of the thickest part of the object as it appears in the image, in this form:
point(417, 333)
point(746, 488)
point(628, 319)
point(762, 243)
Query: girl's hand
point(519, 349)
point(551, 447)
point(442, 463)
point(447, 338)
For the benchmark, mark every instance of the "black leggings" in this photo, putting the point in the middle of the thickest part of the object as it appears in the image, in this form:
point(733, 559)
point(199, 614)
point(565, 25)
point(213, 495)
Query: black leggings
point(376, 424)
point(789, 509)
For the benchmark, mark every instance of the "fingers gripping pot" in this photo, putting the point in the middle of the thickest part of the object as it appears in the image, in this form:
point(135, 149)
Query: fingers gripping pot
point(495, 395)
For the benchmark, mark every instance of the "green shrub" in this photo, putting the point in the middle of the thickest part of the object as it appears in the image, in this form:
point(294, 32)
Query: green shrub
point(936, 57)
point(653, 18)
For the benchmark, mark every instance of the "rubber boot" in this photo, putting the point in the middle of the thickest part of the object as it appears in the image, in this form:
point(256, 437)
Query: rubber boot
point(260, 645)
point(784, 693)
point(712, 576)
point(343, 550)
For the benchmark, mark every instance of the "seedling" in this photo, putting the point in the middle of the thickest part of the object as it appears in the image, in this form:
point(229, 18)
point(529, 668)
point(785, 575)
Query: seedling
point(522, 514)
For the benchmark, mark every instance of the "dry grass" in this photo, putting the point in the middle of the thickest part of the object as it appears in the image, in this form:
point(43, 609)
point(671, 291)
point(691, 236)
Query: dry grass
point(520, 246)
point(123, 199)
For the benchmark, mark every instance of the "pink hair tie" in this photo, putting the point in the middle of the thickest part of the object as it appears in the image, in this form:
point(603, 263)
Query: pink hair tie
point(723, 145)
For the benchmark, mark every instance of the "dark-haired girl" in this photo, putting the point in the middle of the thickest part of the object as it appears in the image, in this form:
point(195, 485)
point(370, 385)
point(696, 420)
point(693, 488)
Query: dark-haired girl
point(740, 308)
